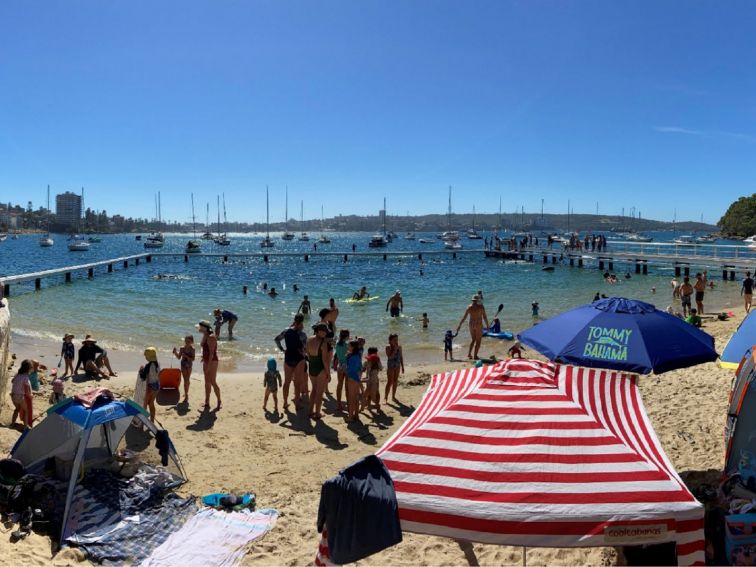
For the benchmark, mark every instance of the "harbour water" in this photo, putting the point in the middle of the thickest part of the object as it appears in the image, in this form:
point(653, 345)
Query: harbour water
point(134, 308)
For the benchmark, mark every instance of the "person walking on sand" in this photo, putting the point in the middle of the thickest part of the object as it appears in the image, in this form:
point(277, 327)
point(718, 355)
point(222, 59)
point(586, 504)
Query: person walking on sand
point(209, 345)
point(21, 395)
point(395, 304)
point(318, 352)
point(477, 314)
point(686, 292)
point(746, 291)
point(294, 360)
point(186, 355)
point(394, 365)
point(700, 287)
point(150, 373)
point(272, 381)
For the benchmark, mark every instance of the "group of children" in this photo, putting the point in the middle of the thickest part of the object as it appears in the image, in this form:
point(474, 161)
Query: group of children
point(358, 379)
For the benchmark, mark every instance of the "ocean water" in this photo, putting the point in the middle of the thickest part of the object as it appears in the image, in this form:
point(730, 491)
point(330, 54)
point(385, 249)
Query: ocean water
point(131, 309)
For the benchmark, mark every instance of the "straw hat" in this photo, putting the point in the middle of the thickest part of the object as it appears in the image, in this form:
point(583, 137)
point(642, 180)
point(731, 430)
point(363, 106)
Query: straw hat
point(89, 339)
point(205, 324)
point(150, 353)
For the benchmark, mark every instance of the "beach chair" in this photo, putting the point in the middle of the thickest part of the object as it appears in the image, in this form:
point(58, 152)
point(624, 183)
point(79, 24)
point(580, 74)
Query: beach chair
point(170, 378)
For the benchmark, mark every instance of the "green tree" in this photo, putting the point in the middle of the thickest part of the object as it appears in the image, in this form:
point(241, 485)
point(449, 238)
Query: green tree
point(740, 218)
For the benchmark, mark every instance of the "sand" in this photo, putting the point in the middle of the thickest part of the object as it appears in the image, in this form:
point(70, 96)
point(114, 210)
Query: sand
point(284, 461)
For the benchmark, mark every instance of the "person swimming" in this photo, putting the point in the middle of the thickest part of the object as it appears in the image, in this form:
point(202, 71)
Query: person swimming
point(361, 293)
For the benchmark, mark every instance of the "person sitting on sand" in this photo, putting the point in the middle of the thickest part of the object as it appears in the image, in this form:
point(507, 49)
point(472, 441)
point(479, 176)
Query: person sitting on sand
point(361, 293)
point(150, 373)
point(223, 316)
point(515, 351)
point(92, 358)
point(272, 381)
point(477, 315)
point(693, 318)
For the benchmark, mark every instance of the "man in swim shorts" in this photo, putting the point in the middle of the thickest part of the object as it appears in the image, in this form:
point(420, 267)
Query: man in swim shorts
point(294, 359)
point(395, 304)
point(305, 306)
point(477, 314)
point(686, 292)
point(747, 291)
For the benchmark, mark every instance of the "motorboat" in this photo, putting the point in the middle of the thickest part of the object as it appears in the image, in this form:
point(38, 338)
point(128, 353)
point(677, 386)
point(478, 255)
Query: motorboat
point(706, 239)
point(304, 237)
point(685, 240)
point(639, 238)
point(46, 241)
point(94, 239)
point(78, 244)
point(452, 244)
point(425, 241)
point(153, 243)
point(288, 235)
point(377, 241)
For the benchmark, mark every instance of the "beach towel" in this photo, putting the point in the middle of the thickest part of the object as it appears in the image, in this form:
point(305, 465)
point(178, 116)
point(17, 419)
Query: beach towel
point(122, 520)
point(213, 537)
point(323, 556)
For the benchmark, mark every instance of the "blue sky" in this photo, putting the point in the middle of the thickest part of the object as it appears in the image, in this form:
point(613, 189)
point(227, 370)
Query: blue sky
point(639, 104)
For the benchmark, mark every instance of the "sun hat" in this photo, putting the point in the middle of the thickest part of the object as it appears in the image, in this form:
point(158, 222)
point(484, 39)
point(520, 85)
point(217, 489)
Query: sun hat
point(205, 324)
point(150, 353)
point(68, 336)
point(89, 339)
point(476, 297)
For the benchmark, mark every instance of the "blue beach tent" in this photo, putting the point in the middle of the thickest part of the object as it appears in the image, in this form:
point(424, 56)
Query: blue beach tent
point(740, 343)
point(74, 438)
point(621, 334)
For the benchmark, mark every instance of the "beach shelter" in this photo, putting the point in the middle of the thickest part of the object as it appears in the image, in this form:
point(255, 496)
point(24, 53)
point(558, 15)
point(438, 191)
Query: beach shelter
point(621, 334)
point(741, 342)
point(740, 430)
point(74, 437)
point(529, 453)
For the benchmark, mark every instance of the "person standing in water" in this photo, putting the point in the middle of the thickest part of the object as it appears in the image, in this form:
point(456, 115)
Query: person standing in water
point(223, 316)
point(305, 307)
point(395, 304)
point(478, 321)
point(209, 362)
point(746, 291)
point(700, 287)
point(318, 352)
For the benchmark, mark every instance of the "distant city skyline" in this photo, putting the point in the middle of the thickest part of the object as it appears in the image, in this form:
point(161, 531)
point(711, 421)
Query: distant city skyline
point(643, 106)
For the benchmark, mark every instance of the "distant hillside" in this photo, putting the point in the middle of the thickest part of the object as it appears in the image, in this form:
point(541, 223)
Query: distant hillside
point(740, 218)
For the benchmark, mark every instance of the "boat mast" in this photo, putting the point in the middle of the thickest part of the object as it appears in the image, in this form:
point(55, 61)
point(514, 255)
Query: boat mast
point(384, 217)
point(160, 212)
point(207, 217)
point(217, 206)
point(267, 214)
point(225, 219)
point(194, 222)
point(286, 220)
point(301, 215)
point(449, 213)
point(473, 226)
point(48, 211)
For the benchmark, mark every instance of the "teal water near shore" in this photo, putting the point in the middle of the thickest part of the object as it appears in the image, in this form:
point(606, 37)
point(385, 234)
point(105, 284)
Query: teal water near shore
point(134, 308)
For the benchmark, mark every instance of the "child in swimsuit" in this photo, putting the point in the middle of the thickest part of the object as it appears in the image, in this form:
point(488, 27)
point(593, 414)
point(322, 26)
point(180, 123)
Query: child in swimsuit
point(272, 382)
point(58, 386)
point(186, 355)
point(372, 367)
point(150, 374)
point(448, 344)
point(21, 394)
point(68, 352)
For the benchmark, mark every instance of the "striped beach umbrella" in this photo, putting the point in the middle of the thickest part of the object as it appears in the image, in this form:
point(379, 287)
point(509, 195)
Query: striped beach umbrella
point(532, 453)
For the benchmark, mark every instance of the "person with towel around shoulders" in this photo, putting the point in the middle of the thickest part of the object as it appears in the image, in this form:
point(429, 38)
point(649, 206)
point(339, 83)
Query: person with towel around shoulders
point(209, 345)
point(150, 373)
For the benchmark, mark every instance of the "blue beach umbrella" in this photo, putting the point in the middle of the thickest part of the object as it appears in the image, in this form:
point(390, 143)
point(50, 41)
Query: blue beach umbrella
point(621, 334)
point(740, 343)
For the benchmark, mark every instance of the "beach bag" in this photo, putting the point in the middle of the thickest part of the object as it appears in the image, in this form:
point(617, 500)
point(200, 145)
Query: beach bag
point(740, 539)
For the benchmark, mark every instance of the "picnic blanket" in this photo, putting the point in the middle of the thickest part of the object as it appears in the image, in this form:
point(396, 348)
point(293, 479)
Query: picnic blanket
point(213, 537)
point(114, 519)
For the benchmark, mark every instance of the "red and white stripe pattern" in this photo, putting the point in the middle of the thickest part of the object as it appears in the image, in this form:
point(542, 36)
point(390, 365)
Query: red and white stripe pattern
point(536, 454)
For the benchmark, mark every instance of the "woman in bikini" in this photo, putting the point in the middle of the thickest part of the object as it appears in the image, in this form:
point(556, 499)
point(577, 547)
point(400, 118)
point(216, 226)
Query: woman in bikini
point(209, 362)
point(394, 365)
point(319, 363)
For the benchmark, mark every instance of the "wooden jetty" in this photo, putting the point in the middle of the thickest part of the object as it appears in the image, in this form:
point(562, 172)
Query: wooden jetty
point(66, 272)
point(727, 258)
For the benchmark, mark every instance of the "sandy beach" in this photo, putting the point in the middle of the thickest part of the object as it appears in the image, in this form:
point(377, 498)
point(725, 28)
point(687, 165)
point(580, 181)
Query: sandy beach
point(285, 459)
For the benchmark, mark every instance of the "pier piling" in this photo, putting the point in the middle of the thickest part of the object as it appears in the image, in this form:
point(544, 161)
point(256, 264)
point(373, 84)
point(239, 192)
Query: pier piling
point(110, 268)
point(38, 283)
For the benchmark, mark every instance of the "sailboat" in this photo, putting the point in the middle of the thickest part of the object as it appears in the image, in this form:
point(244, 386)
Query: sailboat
point(472, 234)
point(267, 242)
point(193, 246)
point(222, 238)
point(156, 238)
point(378, 240)
point(287, 235)
point(303, 236)
point(208, 234)
point(323, 238)
point(45, 241)
point(77, 243)
point(451, 237)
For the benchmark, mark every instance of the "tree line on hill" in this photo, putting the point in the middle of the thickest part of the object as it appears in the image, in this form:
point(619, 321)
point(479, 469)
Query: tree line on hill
point(740, 218)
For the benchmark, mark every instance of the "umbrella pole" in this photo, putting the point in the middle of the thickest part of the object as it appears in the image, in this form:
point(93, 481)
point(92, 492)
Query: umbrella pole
point(524, 556)
point(469, 552)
